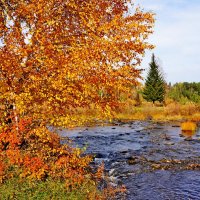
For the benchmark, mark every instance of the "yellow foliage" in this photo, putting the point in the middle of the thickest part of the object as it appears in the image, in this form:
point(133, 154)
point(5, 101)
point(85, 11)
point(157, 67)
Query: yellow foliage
point(68, 63)
point(57, 57)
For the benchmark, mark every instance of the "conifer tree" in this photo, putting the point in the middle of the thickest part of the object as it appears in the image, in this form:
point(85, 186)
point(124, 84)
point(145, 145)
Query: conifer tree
point(154, 89)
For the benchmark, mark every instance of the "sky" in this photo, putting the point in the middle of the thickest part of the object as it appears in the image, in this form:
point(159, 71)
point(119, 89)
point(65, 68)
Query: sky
point(176, 37)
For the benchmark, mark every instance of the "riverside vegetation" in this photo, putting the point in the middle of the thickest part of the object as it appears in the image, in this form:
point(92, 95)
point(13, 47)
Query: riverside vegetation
point(177, 105)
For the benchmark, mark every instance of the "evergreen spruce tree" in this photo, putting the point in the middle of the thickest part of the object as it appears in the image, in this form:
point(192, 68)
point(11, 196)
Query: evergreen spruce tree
point(154, 89)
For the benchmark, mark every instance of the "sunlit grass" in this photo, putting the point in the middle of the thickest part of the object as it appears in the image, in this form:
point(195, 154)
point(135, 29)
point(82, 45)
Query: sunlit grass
point(129, 111)
point(44, 190)
point(195, 117)
point(171, 111)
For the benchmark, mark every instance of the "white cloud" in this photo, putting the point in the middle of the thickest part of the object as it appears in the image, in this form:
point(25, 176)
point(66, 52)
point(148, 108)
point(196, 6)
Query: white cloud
point(176, 38)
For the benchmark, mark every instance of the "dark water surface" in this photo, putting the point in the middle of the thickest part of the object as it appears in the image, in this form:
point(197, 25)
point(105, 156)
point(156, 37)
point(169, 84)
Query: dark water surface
point(154, 160)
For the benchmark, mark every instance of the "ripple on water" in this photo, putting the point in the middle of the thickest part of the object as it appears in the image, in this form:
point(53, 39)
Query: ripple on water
point(116, 144)
point(165, 185)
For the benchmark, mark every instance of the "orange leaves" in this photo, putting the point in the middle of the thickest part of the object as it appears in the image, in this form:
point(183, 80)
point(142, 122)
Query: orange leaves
point(35, 153)
point(34, 168)
point(33, 164)
point(100, 172)
point(72, 168)
point(9, 140)
point(58, 55)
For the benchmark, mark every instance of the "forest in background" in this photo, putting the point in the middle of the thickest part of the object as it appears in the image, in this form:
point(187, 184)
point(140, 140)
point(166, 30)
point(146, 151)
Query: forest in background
point(181, 102)
point(157, 100)
point(185, 92)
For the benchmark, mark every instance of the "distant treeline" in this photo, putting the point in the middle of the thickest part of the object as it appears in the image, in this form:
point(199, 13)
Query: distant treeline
point(184, 92)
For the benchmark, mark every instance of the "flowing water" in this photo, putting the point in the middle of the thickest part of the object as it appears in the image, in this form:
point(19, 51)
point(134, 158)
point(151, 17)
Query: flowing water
point(154, 160)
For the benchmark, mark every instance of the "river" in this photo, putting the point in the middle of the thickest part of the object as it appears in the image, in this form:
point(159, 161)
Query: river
point(153, 160)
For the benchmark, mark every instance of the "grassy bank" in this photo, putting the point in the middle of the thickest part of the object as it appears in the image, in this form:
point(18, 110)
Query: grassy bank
point(129, 110)
point(169, 112)
point(45, 190)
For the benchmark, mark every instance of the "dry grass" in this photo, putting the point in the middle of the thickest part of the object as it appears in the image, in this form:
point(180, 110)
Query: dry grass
point(178, 109)
point(128, 110)
point(172, 111)
point(195, 117)
point(188, 126)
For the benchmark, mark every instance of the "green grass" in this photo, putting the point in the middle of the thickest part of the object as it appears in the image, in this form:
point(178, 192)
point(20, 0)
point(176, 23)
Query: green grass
point(40, 190)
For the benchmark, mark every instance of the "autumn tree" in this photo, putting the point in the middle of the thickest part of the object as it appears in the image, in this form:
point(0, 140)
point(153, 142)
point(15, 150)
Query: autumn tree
point(58, 55)
point(55, 57)
point(154, 89)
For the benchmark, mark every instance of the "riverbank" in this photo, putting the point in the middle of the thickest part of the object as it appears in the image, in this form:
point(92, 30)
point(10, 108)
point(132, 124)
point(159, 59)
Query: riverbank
point(170, 112)
point(129, 111)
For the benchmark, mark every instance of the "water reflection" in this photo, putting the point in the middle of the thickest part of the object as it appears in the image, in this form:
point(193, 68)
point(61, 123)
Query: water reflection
point(188, 133)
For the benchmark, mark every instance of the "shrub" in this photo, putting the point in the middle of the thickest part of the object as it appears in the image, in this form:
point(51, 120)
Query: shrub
point(188, 126)
point(33, 154)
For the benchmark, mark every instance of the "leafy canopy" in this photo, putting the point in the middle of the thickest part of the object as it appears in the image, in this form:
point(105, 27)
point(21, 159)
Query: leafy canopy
point(58, 55)
point(55, 57)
